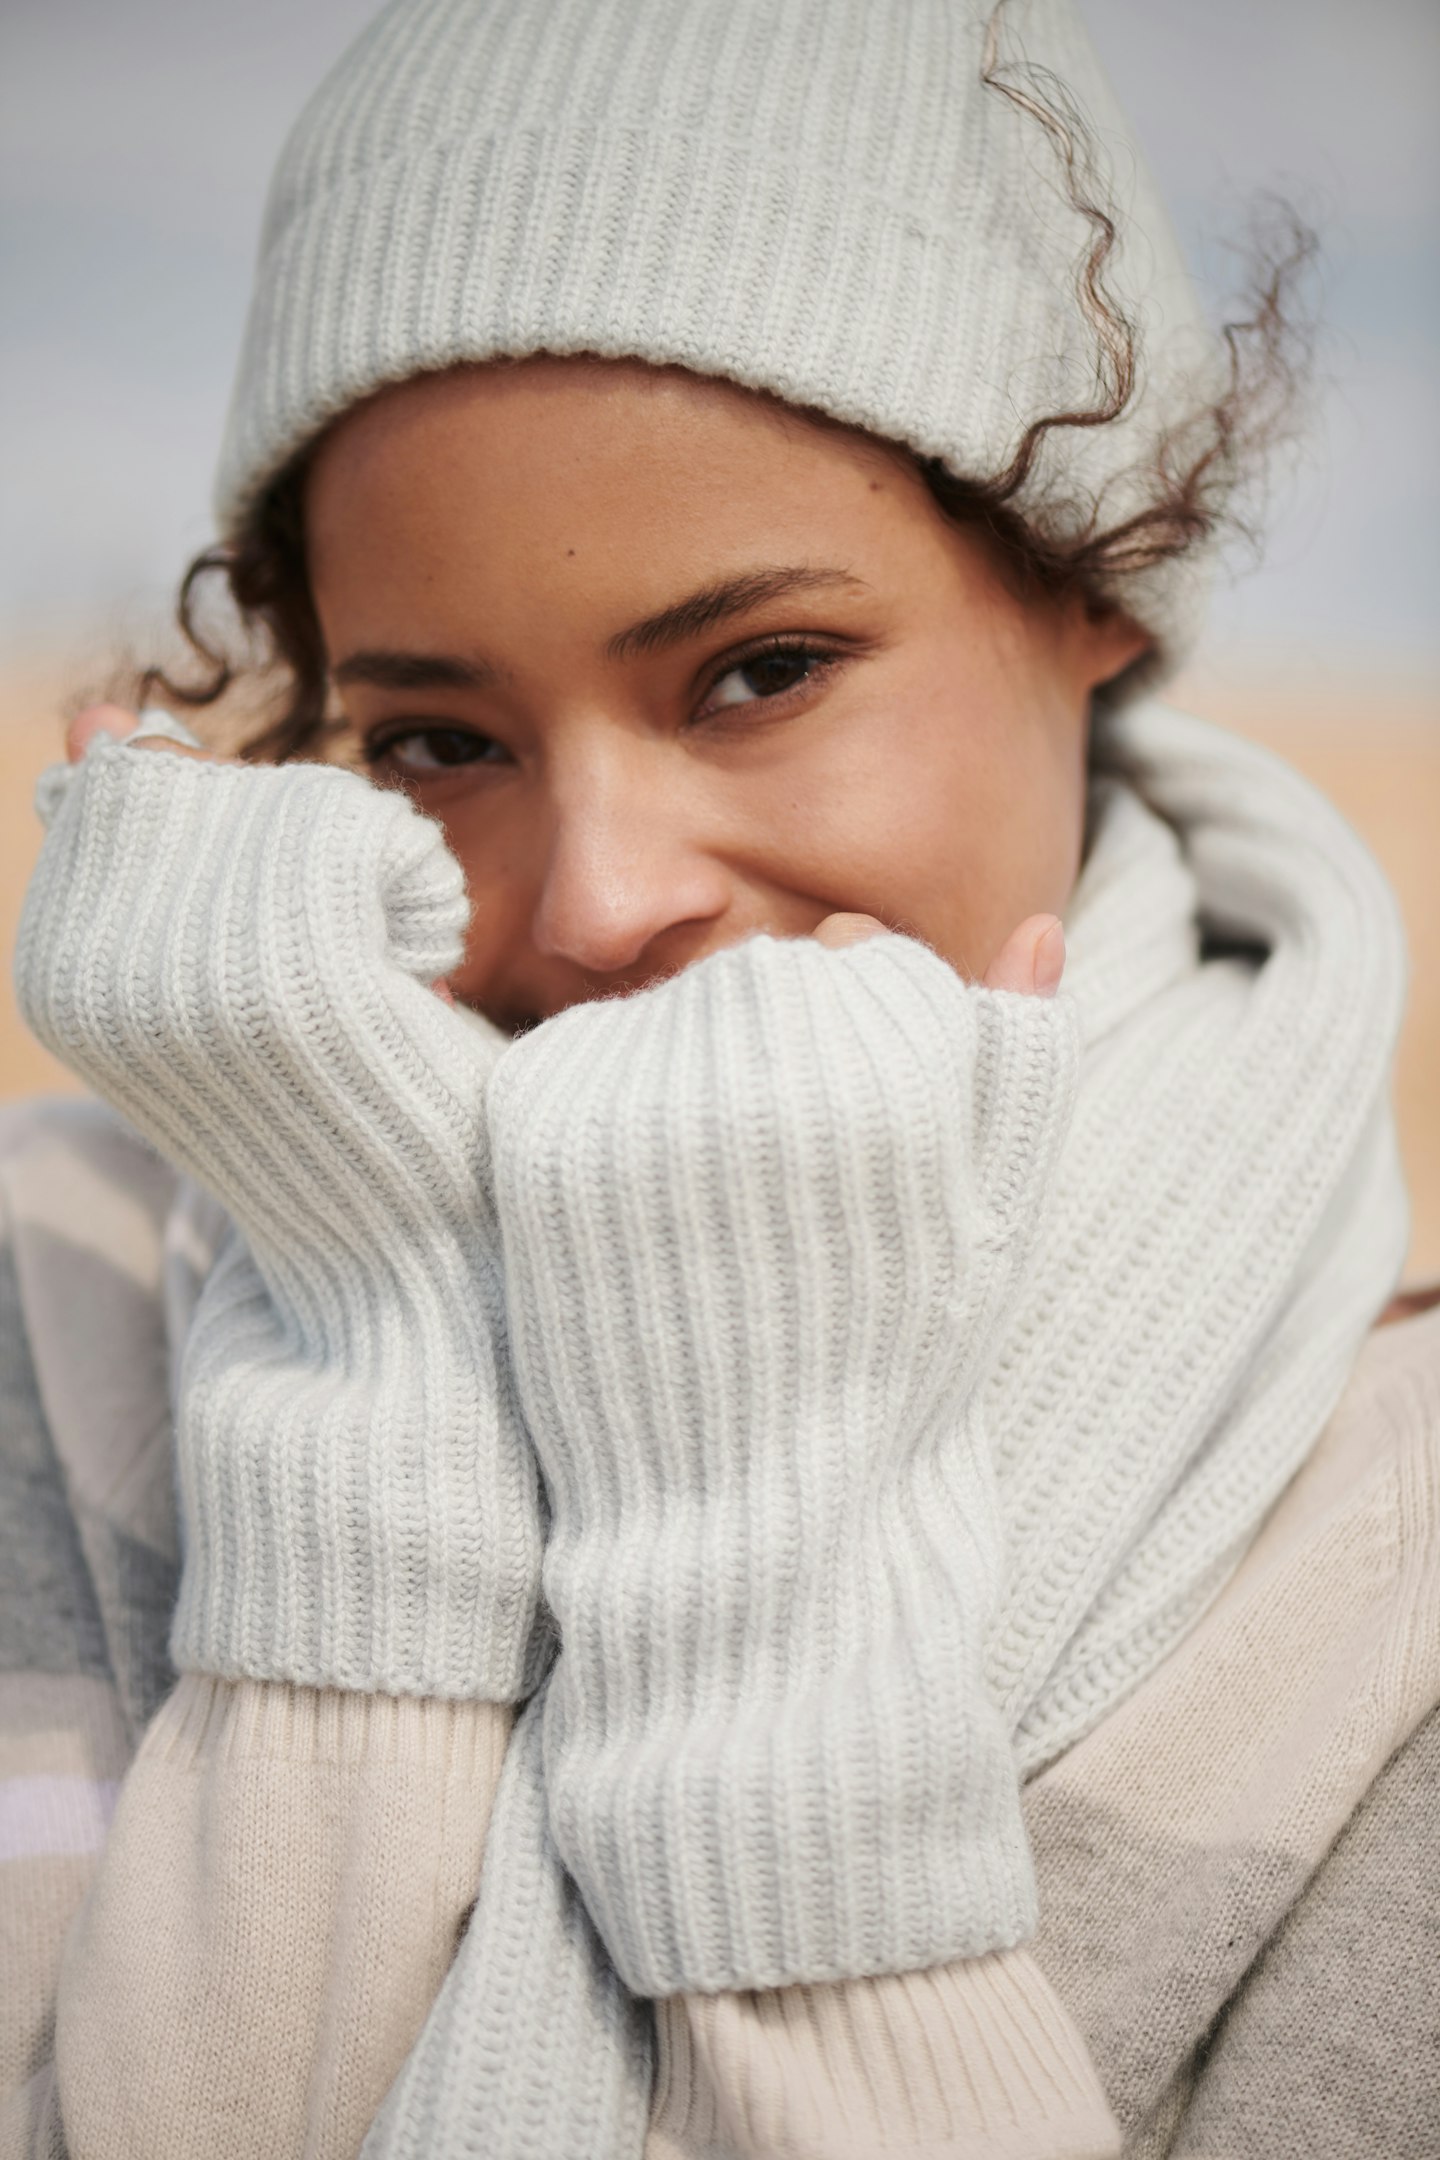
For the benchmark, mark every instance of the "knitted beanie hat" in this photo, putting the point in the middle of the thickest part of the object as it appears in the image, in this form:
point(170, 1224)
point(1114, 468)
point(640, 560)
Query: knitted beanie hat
point(823, 199)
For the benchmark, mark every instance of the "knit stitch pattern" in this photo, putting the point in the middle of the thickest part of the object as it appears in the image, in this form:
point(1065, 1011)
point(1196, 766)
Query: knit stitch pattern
point(731, 1210)
point(762, 1227)
point(239, 958)
point(1149, 1397)
point(702, 1190)
point(534, 2050)
point(822, 199)
point(1228, 1217)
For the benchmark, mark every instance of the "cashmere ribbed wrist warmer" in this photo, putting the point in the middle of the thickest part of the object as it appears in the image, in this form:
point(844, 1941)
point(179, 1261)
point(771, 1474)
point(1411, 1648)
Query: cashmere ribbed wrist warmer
point(761, 1227)
point(239, 958)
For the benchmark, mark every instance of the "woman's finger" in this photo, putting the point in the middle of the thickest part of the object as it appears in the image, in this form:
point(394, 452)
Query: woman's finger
point(841, 930)
point(1031, 960)
point(112, 720)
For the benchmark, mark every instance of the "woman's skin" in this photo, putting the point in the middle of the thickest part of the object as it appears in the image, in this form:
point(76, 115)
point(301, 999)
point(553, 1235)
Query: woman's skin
point(673, 664)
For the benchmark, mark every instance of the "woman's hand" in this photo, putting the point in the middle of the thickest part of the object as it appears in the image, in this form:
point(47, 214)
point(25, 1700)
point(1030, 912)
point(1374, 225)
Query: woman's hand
point(240, 959)
point(1031, 961)
point(119, 725)
point(763, 1226)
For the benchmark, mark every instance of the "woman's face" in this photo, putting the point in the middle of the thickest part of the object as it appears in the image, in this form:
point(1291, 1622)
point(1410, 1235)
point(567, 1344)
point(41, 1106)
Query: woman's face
point(672, 665)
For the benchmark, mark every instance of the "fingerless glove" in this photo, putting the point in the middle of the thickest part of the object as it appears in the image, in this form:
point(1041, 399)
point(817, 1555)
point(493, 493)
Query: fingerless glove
point(239, 958)
point(762, 1227)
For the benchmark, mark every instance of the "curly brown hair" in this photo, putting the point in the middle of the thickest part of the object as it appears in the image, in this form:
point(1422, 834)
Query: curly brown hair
point(1201, 479)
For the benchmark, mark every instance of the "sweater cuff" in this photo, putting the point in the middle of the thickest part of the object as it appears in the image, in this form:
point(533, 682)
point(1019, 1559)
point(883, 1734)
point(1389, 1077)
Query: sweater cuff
point(971, 2061)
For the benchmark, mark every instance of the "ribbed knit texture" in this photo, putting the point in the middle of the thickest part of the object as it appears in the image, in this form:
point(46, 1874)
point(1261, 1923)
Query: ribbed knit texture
point(855, 2072)
point(842, 1502)
point(895, 1425)
point(239, 958)
point(1174, 1837)
point(534, 2050)
point(761, 1228)
point(1228, 1218)
point(818, 198)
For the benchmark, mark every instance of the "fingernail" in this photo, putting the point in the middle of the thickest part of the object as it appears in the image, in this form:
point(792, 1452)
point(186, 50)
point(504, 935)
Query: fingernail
point(841, 931)
point(1050, 960)
point(155, 722)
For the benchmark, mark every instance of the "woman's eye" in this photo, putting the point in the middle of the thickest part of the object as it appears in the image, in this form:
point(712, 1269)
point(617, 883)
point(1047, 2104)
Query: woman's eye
point(765, 675)
point(434, 749)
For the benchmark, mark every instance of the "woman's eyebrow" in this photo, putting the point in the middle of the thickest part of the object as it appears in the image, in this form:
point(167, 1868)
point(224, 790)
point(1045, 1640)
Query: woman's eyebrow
point(716, 603)
point(416, 671)
point(686, 618)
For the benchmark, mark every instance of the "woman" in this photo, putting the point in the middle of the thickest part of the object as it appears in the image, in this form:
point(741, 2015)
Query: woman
point(817, 1462)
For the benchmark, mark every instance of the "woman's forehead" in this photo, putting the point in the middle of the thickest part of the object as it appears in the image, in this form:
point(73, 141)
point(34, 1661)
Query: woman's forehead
point(656, 482)
point(589, 411)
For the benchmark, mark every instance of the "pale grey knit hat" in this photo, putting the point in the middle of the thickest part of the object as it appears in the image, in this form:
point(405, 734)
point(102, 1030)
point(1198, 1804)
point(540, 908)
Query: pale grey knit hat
point(819, 198)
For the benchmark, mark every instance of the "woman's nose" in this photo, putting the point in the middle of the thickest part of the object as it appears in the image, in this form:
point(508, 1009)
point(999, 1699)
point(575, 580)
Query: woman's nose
point(626, 863)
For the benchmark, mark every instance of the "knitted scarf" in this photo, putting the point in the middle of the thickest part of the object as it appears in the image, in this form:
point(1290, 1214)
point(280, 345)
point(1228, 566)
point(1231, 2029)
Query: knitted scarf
point(1223, 1222)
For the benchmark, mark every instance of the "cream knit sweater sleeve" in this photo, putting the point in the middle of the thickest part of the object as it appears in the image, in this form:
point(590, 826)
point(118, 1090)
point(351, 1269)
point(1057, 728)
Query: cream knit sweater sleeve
point(285, 1885)
point(976, 2060)
point(286, 1879)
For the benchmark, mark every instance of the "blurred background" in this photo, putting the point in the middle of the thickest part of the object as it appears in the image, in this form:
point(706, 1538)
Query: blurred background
point(136, 137)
